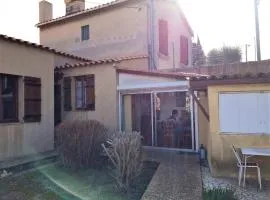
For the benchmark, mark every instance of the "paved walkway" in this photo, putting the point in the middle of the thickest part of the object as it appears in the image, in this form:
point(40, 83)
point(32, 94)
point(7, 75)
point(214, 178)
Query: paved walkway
point(178, 177)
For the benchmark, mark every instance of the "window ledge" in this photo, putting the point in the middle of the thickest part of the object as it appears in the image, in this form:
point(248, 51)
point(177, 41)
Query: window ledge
point(245, 134)
point(164, 57)
point(8, 123)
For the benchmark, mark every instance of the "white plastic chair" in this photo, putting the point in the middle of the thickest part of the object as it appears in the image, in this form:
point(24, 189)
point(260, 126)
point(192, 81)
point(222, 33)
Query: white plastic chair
point(241, 165)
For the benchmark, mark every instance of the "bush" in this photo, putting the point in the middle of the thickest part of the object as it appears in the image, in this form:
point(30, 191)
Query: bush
point(219, 194)
point(124, 151)
point(79, 142)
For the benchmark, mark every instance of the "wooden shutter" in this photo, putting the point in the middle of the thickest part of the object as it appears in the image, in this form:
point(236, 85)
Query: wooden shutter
point(90, 92)
point(32, 99)
point(184, 50)
point(163, 37)
point(67, 94)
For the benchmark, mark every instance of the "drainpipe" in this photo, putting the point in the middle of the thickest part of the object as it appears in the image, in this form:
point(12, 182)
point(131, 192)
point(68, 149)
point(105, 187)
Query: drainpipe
point(151, 24)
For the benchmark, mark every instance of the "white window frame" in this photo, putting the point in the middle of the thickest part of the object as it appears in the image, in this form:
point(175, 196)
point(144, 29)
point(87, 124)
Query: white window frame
point(259, 113)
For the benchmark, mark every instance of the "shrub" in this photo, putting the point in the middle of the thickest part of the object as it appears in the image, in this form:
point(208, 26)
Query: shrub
point(219, 194)
point(79, 142)
point(125, 150)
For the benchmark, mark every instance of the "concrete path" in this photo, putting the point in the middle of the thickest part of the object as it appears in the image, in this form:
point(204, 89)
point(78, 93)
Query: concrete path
point(178, 176)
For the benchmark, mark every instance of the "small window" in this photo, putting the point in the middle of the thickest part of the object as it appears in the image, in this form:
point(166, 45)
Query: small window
point(183, 50)
point(85, 32)
point(85, 92)
point(8, 98)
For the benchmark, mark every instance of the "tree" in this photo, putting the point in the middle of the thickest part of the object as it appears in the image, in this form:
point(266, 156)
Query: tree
point(224, 55)
point(198, 56)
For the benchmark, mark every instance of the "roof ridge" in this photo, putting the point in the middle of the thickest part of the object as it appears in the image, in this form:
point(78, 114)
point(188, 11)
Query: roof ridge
point(42, 47)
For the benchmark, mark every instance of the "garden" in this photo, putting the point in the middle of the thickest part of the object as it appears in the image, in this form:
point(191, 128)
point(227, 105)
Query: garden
point(94, 163)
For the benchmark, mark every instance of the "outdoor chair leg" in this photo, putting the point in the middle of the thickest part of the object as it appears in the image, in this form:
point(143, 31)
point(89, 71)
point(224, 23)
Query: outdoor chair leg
point(240, 175)
point(259, 177)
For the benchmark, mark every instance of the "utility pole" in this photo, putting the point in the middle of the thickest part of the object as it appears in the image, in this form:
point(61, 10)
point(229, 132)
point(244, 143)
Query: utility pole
point(246, 51)
point(258, 45)
point(173, 56)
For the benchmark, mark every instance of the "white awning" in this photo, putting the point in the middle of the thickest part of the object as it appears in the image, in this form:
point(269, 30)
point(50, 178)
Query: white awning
point(134, 82)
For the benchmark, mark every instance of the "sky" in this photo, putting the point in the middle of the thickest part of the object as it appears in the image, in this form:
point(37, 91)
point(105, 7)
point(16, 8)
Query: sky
point(216, 22)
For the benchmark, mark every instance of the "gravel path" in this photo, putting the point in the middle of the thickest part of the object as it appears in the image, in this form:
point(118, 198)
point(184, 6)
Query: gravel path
point(251, 192)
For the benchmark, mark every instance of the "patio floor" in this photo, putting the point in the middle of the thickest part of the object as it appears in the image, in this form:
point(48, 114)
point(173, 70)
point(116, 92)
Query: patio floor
point(177, 177)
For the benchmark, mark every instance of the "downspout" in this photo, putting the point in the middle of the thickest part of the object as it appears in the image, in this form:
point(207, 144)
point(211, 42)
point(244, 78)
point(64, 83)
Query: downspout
point(151, 24)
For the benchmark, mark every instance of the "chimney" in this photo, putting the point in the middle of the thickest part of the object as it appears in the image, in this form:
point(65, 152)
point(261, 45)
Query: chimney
point(45, 11)
point(73, 6)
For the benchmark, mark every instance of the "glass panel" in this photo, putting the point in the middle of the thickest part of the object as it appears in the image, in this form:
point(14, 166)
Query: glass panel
point(138, 115)
point(79, 94)
point(173, 120)
point(7, 96)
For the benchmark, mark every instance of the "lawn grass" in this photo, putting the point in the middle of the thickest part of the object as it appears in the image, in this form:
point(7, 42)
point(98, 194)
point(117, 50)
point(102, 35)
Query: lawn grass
point(59, 183)
point(219, 194)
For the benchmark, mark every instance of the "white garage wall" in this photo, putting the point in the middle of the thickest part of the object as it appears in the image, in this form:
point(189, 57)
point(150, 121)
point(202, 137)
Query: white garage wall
point(244, 112)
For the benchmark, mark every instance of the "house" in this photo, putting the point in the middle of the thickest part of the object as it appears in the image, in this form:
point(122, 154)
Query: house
point(125, 99)
point(27, 97)
point(122, 28)
point(238, 115)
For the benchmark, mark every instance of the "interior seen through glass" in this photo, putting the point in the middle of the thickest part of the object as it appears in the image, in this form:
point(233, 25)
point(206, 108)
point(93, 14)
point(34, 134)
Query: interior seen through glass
point(165, 114)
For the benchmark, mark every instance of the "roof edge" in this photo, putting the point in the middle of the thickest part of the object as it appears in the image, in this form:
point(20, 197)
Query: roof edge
point(41, 47)
point(100, 61)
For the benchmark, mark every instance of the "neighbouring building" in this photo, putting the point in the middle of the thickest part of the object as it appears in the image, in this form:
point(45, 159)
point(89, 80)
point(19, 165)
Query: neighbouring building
point(27, 96)
point(119, 29)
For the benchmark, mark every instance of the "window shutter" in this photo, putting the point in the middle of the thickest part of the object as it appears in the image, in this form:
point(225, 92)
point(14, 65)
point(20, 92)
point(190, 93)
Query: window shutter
point(184, 50)
point(67, 94)
point(90, 92)
point(32, 99)
point(163, 37)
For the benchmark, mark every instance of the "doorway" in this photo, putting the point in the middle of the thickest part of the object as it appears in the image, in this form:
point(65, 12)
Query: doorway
point(57, 104)
point(173, 120)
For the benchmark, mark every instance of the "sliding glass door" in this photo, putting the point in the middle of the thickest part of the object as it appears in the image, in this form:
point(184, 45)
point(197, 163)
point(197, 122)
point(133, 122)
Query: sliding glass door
point(173, 120)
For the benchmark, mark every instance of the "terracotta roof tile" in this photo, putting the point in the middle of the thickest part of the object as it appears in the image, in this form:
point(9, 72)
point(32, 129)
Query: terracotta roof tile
point(159, 73)
point(89, 10)
point(86, 11)
point(101, 61)
point(41, 47)
point(230, 77)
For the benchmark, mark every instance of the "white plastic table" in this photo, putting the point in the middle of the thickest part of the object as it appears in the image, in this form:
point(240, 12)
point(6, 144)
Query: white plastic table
point(249, 152)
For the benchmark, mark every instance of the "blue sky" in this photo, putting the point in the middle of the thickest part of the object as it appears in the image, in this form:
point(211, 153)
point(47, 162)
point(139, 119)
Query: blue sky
point(217, 22)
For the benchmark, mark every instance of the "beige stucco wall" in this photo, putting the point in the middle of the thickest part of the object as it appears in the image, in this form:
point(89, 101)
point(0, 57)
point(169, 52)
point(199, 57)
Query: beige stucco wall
point(167, 10)
point(116, 31)
point(60, 60)
point(106, 98)
point(139, 64)
point(19, 139)
point(127, 113)
point(222, 160)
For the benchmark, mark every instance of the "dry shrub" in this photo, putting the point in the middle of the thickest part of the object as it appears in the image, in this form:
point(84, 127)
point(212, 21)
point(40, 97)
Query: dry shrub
point(79, 142)
point(124, 151)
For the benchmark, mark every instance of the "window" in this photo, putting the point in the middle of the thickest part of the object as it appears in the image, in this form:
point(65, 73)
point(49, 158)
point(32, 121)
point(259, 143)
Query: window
point(8, 98)
point(244, 112)
point(85, 32)
point(184, 50)
point(67, 94)
point(32, 99)
point(85, 92)
point(163, 37)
